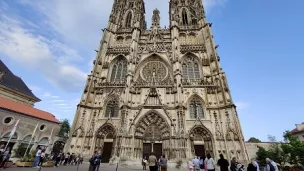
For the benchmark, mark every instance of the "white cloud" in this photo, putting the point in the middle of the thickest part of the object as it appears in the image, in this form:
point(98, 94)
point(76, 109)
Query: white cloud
point(40, 53)
point(242, 105)
point(210, 4)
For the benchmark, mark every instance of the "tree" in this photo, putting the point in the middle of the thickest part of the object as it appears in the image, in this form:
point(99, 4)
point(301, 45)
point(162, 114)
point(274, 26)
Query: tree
point(65, 128)
point(254, 140)
point(294, 148)
point(274, 152)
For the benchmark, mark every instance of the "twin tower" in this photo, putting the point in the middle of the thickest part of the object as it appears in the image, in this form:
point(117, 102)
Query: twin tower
point(157, 90)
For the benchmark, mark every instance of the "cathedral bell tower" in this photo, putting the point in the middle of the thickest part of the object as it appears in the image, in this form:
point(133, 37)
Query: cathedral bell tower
point(159, 90)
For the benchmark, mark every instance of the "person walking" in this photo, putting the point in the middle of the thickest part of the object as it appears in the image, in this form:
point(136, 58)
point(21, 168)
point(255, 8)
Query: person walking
point(37, 158)
point(223, 163)
point(163, 163)
point(210, 163)
point(196, 162)
point(152, 162)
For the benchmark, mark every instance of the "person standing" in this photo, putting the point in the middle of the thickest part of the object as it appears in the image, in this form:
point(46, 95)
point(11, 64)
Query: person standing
point(58, 159)
point(42, 158)
point(97, 161)
point(37, 158)
point(233, 165)
point(223, 163)
point(92, 162)
point(255, 164)
point(210, 163)
point(163, 163)
point(152, 163)
point(144, 163)
point(1, 153)
point(196, 162)
point(190, 165)
point(6, 156)
point(271, 165)
point(251, 166)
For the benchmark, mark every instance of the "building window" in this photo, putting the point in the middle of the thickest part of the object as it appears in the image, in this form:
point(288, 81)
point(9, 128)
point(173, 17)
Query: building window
point(42, 127)
point(129, 20)
point(196, 109)
point(112, 109)
point(8, 120)
point(119, 70)
point(191, 69)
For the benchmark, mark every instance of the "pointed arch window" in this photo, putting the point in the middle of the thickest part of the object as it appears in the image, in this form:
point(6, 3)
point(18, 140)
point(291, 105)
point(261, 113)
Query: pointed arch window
point(119, 70)
point(191, 69)
point(112, 109)
point(196, 109)
point(129, 20)
point(184, 17)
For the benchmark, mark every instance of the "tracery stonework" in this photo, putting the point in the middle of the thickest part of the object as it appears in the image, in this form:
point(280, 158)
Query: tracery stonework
point(158, 90)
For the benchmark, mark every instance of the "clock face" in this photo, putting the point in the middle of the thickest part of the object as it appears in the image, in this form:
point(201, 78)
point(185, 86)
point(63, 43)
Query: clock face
point(154, 71)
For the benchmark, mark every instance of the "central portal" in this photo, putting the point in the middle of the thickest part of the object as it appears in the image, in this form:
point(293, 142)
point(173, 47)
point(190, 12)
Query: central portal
point(156, 148)
point(152, 132)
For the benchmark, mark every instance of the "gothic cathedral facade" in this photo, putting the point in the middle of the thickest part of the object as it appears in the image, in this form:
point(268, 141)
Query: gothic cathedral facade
point(159, 90)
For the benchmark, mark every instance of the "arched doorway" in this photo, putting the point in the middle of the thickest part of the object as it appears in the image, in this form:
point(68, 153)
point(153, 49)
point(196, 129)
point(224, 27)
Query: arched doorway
point(43, 143)
point(12, 142)
point(153, 132)
point(105, 141)
point(201, 141)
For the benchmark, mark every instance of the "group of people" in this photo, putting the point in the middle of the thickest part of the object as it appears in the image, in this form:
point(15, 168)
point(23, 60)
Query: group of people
point(66, 159)
point(95, 161)
point(154, 164)
point(5, 155)
point(208, 164)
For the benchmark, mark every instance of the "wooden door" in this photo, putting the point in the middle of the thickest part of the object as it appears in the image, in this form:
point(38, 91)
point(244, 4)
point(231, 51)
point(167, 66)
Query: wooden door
point(147, 149)
point(158, 150)
point(199, 150)
point(107, 151)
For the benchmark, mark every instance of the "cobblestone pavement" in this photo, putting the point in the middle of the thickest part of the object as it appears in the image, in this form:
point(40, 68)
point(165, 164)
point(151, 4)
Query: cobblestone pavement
point(84, 167)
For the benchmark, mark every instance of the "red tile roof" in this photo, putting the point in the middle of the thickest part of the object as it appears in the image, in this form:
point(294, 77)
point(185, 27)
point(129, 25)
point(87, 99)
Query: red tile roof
point(26, 110)
point(294, 131)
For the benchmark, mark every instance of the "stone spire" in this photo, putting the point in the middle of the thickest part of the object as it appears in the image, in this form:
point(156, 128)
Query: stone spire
point(155, 19)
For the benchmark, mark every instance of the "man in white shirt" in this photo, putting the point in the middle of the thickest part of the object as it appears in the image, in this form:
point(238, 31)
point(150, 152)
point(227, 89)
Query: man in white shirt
point(37, 158)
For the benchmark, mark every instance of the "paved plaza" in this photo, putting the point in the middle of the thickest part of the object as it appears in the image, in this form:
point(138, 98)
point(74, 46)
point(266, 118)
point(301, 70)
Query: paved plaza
point(84, 167)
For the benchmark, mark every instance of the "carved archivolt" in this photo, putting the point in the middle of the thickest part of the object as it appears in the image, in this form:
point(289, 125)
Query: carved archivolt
point(152, 127)
point(104, 130)
point(201, 131)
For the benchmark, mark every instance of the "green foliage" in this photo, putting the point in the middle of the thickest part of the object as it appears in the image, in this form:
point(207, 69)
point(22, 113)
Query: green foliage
point(254, 140)
point(275, 152)
point(65, 128)
point(294, 148)
point(291, 151)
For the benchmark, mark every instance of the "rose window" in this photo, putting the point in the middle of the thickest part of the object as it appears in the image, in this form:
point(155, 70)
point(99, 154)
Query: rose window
point(154, 72)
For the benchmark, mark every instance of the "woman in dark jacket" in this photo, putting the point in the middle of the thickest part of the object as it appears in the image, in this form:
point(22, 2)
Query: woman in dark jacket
point(251, 167)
